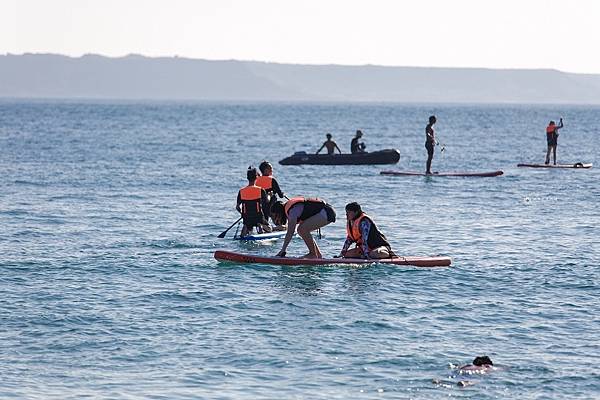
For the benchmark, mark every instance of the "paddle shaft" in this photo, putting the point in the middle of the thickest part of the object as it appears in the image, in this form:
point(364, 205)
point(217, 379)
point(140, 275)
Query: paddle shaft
point(222, 235)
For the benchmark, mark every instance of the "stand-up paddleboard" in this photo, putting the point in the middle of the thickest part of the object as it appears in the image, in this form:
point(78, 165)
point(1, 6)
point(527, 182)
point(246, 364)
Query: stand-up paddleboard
point(241, 258)
point(574, 165)
point(411, 173)
point(262, 236)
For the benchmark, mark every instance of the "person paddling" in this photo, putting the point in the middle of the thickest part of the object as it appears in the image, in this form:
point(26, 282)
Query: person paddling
point(251, 203)
point(269, 184)
point(552, 139)
point(330, 145)
point(355, 146)
point(430, 142)
point(309, 214)
point(360, 229)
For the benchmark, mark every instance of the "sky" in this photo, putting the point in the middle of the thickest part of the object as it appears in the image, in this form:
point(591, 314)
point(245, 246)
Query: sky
point(557, 34)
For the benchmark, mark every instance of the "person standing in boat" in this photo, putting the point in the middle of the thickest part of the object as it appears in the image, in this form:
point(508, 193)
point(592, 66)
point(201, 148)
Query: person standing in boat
point(308, 214)
point(251, 203)
point(355, 146)
point(269, 184)
point(430, 142)
point(360, 229)
point(330, 145)
point(552, 139)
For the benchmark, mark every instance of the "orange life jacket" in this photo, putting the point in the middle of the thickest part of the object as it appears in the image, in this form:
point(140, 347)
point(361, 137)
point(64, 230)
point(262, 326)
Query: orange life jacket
point(312, 206)
point(550, 129)
point(265, 182)
point(375, 239)
point(251, 199)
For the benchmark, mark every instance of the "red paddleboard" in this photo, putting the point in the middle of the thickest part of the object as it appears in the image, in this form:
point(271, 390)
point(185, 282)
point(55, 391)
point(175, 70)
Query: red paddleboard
point(231, 256)
point(574, 165)
point(411, 173)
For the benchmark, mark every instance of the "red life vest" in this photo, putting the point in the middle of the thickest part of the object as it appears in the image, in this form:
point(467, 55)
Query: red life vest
point(550, 129)
point(265, 182)
point(375, 239)
point(251, 199)
point(312, 206)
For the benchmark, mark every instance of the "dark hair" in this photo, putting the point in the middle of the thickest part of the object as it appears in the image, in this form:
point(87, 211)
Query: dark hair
point(482, 360)
point(432, 119)
point(278, 210)
point(328, 136)
point(552, 123)
point(354, 206)
point(251, 173)
point(359, 132)
point(264, 165)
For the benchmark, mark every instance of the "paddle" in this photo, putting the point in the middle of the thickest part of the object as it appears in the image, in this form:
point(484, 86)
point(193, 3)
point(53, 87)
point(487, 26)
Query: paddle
point(222, 235)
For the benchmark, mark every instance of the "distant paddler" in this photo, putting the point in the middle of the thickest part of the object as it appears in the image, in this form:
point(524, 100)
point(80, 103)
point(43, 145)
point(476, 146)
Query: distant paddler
point(330, 145)
point(308, 214)
point(360, 229)
point(430, 142)
point(251, 203)
point(270, 185)
point(552, 139)
point(355, 145)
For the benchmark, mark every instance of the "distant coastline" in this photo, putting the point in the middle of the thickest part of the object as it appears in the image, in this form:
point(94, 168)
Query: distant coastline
point(135, 77)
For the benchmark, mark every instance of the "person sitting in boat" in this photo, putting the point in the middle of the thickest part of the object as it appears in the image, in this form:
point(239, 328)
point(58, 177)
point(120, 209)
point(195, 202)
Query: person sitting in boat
point(355, 146)
point(251, 201)
point(360, 229)
point(269, 184)
point(330, 145)
point(552, 139)
point(309, 214)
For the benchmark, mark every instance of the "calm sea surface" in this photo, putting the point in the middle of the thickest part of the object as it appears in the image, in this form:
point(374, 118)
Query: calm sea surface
point(109, 216)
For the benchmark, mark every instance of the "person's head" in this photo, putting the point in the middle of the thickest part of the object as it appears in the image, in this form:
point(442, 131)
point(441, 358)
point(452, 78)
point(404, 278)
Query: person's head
point(552, 123)
point(359, 133)
point(266, 168)
point(251, 174)
point(278, 213)
point(328, 136)
point(353, 211)
point(482, 360)
point(432, 119)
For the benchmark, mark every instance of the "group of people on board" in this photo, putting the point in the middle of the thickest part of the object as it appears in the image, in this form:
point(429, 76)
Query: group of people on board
point(355, 145)
point(257, 203)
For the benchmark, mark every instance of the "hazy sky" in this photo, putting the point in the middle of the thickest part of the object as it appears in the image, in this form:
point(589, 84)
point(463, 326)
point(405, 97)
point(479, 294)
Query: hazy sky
point(558, 34)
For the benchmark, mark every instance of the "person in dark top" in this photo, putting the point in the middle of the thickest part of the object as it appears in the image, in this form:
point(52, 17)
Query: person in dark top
point(360, 229)
point(330, 145)
point(430, 142)
point(251, 203)
point(355, 146)
point(269, 184)
point(552, 139)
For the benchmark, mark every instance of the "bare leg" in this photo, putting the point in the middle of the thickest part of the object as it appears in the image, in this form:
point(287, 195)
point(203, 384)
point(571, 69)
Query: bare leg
point(554, 153)
point(245, 231)
point(304, 230)
point(548, 154)
point(355, 252)
point(380, 252)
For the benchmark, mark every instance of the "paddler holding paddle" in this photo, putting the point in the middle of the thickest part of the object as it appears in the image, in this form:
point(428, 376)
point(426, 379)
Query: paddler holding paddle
point(309, 214)
point(251, 203)
point(360, 229)
point(552, 139)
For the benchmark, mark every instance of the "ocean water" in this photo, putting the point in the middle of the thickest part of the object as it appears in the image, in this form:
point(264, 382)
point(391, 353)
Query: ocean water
point(109, 216)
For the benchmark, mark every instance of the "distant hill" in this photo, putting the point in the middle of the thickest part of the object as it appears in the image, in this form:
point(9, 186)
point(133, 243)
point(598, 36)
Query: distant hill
point(174, 78)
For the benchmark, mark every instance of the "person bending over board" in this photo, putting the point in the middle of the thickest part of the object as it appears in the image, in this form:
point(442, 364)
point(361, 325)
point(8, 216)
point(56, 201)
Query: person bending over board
point(355, 146)
point(430, 142)
point(360, 229)
point(309, 214)
point(269, 184)
point(251, 201)
point(552, 139)
point(330, 145)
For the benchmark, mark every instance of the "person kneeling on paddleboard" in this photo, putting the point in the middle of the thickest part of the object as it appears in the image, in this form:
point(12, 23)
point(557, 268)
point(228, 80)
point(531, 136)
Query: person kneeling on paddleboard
point(360, 229)
point(251, 201)
point(309, 214)
point(270, 186)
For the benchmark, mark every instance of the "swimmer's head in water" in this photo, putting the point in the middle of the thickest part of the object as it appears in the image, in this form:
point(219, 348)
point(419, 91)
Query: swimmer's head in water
point(482, 360)
point(251, 174)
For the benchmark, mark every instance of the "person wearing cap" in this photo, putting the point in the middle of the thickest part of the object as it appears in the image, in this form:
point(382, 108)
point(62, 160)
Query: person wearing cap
point(330, 145)
point(552, 139)
point(251, 203)
point(355, 146)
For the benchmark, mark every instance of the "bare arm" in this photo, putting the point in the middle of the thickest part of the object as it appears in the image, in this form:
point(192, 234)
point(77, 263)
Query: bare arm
point(291, 229)
point(336, 146)
point(238, 205)
point(318, 151)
